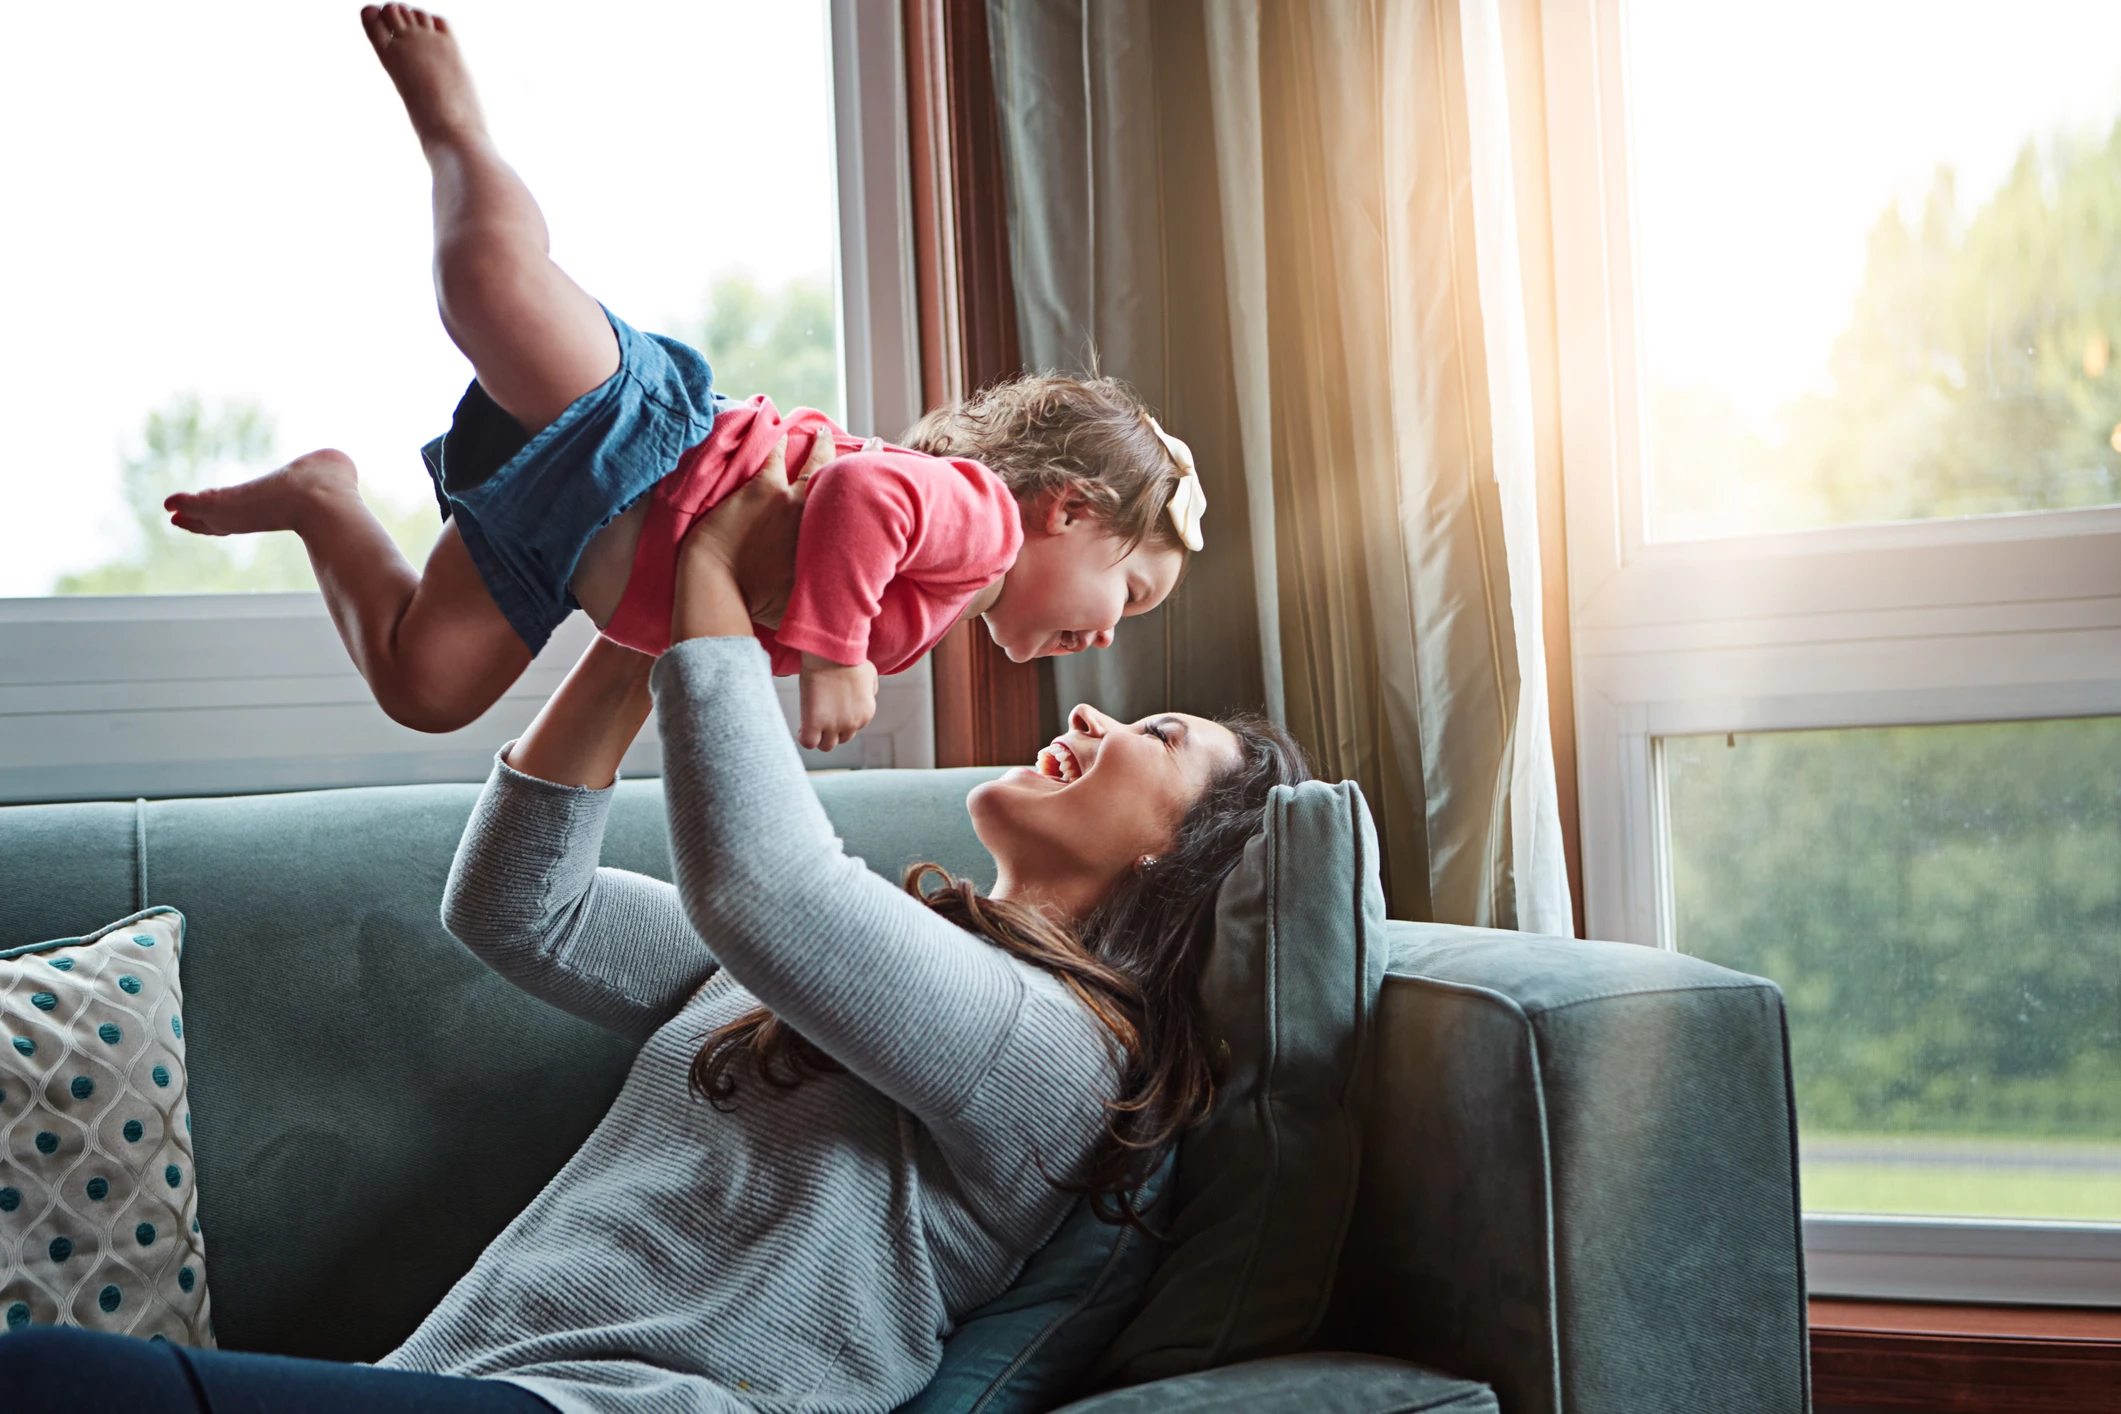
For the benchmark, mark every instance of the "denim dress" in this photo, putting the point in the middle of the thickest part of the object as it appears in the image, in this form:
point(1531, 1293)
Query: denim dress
point(528, 506)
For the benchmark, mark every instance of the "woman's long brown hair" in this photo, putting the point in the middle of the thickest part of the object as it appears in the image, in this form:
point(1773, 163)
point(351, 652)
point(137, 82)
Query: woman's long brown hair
point(1135, 963)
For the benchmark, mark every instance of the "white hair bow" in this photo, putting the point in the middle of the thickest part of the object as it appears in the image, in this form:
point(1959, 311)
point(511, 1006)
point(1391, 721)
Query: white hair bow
point(1188, 503)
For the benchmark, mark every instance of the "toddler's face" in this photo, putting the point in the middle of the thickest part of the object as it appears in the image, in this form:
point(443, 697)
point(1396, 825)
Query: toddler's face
point(1072, 583)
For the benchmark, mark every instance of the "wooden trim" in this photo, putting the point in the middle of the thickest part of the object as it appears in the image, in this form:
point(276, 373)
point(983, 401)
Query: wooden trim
point(986, 293)
point(1966, 1359)
point(934, 210)
point(986, 707)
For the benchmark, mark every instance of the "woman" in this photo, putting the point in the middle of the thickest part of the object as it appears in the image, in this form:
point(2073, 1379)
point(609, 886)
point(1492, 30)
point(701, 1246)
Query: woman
point(857, 1111)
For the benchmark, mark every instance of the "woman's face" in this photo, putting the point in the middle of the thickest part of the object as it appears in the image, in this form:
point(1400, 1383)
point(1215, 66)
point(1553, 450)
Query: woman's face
point(1103, 795)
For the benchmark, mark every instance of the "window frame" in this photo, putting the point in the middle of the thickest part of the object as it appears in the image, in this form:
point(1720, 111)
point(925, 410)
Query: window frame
point(112, 696)
point(2006, 617)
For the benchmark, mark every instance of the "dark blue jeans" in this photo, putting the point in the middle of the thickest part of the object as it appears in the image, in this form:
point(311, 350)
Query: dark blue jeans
point(60, 1370)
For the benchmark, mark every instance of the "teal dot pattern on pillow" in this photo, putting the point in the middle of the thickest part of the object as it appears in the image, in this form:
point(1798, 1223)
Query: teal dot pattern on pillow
point(99, 1219)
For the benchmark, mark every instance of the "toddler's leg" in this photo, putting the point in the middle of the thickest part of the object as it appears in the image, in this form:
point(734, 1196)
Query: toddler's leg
point(536, 340)
point(435, 649)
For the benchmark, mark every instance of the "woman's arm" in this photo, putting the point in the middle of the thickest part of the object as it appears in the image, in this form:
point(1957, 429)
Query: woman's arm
point(910, 1003)
point(526, 895)
point(525, 892)
point(582, 733)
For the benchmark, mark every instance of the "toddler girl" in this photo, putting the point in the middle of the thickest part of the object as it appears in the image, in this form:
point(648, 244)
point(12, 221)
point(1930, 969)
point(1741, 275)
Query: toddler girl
point(584, 450)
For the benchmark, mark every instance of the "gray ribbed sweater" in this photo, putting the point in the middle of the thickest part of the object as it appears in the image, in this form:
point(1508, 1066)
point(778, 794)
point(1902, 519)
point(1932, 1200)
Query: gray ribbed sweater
point(809, 1249)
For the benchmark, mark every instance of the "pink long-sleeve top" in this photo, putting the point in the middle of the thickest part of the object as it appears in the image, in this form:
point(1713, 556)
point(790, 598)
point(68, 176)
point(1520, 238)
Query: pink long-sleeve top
point(894, 543)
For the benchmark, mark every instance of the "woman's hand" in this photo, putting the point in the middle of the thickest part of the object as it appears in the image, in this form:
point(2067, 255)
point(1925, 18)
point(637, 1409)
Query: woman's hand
point(751, 537)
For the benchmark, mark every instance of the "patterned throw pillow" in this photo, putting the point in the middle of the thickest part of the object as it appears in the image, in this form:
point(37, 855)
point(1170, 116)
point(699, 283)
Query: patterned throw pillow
point(99, 1221)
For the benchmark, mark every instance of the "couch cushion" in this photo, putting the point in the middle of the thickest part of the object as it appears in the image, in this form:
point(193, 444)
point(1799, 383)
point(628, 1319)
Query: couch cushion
point(1323, 1382)
point(371, 1103)
point(1031, 1346)
point(1267, 1182)
point(63, 866)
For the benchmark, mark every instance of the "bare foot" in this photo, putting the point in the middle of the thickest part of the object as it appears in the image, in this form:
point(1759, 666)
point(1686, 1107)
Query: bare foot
point(422, 59)
point(278, 500)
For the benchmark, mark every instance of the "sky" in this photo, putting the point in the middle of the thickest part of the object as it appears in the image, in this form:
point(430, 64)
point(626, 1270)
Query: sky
point(1768, 139)
point(230, 202)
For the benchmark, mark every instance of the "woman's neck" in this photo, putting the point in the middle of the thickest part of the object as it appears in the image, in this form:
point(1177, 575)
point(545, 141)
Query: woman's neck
point(1070, 899)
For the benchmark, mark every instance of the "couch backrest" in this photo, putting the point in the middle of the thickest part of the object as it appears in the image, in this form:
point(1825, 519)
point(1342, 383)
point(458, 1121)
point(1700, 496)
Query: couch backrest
point(371, 1105)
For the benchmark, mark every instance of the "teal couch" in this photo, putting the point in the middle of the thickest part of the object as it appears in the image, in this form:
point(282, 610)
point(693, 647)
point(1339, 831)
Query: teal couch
point(1578, 1182)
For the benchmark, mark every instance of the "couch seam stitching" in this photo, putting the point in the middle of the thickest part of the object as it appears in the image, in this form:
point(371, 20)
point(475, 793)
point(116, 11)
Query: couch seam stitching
point(1475, 989)
point(1218, 1348)
point(140, 852)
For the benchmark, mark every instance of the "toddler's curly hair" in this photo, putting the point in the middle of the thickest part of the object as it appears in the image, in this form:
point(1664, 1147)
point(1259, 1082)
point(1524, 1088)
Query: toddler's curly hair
point(1091, 438)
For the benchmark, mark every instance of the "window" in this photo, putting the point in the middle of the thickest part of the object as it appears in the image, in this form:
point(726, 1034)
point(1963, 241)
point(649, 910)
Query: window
point(240, 272)
point(219, 259)
point(1876, 269)
point(1943, 907)
point(1841, 418)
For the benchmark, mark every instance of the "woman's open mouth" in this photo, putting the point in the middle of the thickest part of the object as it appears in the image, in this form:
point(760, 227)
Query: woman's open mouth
point(1057, 762)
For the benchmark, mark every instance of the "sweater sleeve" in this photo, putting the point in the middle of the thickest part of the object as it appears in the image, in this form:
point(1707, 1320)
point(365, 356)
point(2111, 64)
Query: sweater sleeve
point(907, 1001)
point(526, 895)
point(872, 517)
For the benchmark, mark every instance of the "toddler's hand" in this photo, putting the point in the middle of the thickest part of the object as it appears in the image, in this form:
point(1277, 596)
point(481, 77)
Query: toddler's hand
point(838, 701)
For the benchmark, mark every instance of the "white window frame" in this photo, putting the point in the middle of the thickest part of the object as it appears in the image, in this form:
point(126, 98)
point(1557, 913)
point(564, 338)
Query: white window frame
point(158, 695)
point(1994, 618)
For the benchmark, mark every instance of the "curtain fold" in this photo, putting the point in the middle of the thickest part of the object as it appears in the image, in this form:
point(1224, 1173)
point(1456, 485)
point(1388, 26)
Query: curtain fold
point(1288, 223)
point(1117, 256)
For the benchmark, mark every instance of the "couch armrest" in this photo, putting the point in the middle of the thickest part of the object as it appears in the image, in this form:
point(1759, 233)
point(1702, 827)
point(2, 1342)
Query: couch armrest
point(1321, 1382)
point(1579, 1179)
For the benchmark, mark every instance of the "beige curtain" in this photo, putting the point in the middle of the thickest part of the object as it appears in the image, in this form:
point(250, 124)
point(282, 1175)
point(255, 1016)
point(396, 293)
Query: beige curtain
point(1372, 340)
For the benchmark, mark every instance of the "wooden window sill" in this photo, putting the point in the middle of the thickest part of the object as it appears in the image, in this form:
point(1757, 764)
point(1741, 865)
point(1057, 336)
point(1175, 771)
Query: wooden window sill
point(1965, 1359)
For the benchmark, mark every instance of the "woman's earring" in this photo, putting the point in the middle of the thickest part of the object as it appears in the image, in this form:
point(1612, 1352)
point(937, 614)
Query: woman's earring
point(1145, 863)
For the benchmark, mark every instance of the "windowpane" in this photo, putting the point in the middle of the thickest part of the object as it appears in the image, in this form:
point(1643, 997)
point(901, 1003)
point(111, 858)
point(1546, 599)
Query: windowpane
point(217, 247)
point(1876, 249)
point(1942, 908)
